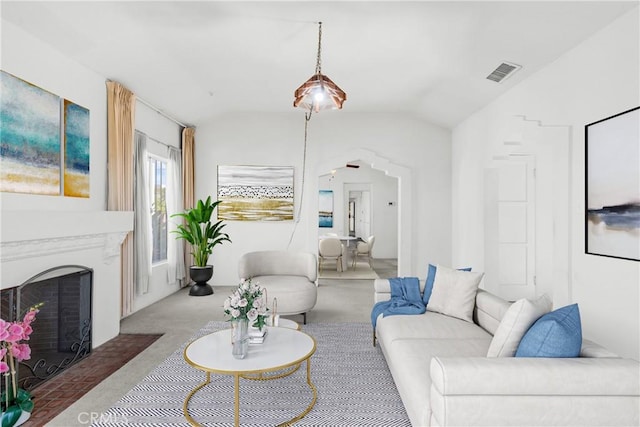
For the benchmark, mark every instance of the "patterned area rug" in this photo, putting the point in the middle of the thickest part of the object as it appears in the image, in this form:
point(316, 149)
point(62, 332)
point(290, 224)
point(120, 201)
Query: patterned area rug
point(354, 387)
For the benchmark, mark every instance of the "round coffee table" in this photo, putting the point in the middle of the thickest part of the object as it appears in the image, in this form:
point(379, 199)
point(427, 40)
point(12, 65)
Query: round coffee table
point(280, 355)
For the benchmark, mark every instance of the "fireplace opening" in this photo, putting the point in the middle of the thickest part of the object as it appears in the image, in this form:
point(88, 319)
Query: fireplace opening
point(62, 331)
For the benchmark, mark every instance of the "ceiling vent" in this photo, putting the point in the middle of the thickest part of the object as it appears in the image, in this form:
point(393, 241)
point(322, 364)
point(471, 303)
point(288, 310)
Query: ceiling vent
point(503, 71)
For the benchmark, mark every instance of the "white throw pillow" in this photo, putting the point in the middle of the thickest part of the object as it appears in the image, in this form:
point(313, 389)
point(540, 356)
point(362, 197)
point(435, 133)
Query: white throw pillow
point(454, 292)
point(515, 323)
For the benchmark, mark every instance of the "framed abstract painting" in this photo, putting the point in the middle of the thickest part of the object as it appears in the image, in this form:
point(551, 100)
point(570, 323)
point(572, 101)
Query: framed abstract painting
point(255, 193)
point(612, 186)
point(325, 209)
point(76, 150)
point(30, 138)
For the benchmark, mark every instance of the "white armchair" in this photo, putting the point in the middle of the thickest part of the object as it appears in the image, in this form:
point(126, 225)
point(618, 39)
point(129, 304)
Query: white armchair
point(288, 276)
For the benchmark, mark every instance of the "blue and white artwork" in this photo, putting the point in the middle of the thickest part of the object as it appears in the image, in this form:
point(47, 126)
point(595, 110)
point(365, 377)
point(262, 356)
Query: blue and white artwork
point(325, 209)
point(76, 150)
point(29, 138)
point(613, 186)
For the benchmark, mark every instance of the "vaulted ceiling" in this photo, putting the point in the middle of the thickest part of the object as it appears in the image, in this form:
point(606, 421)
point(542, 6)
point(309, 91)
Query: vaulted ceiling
point(196, 60)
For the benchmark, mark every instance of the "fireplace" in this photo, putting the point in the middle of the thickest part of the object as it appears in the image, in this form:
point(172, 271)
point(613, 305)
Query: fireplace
point(62, 330)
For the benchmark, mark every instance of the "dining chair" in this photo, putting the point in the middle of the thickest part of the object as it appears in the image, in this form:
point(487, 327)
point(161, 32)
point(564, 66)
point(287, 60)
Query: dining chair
point(363, 249)
point(330, 249)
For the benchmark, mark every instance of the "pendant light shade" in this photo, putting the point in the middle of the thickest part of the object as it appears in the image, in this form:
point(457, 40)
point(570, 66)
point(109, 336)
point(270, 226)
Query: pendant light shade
point(319, 92)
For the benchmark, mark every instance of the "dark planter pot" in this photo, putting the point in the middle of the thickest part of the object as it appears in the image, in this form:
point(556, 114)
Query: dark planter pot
point(200, 275)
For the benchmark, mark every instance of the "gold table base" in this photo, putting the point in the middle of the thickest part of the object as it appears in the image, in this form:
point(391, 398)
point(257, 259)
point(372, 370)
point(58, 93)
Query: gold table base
point(258, 377)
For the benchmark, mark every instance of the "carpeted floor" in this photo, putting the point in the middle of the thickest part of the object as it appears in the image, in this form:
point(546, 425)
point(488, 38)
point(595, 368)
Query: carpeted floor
point(179, 316)
point(354, 387)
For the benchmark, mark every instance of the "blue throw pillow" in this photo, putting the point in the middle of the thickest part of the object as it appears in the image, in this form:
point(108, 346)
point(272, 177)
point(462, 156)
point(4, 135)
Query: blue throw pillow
point(556, 334)
point(431, 277)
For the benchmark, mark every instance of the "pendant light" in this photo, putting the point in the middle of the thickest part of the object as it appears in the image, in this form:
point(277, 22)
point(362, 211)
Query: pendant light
point(319, 92)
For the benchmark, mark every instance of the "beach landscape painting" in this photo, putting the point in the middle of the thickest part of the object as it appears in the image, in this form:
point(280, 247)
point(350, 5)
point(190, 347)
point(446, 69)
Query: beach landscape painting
point(612, 187)
point(29, 138)
point(76, 150)
point(325, 209)
point(255, 193)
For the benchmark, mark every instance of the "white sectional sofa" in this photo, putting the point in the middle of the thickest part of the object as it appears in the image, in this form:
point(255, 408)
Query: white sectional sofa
point(440, 368)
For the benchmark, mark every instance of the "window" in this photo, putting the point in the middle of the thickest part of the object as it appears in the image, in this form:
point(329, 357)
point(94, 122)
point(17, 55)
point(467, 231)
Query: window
point(158, 194)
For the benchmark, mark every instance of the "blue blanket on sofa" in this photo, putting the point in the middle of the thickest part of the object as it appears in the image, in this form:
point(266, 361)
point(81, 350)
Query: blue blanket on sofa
point(405, 299)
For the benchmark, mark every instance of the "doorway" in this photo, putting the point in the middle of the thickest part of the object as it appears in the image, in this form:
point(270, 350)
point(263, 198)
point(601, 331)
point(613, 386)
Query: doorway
point(400, 207)
point(359, 210)
point(352, 217)
point(527, 193)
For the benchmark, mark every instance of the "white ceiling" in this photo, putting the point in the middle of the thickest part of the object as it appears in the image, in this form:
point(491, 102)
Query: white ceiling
point(195, 60)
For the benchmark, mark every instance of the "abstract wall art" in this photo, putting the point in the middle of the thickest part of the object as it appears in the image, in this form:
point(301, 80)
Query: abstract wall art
point(612, 186)
point(255, 193)
point(76, 150)
point(325, 208)
point(29, 138)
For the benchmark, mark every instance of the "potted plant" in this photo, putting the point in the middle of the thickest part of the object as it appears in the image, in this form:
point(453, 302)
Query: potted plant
point(15, 402)
point(203, 235)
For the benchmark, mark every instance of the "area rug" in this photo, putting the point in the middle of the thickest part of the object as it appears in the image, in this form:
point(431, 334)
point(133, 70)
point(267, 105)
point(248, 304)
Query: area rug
point(354, 387)
point(361, 272)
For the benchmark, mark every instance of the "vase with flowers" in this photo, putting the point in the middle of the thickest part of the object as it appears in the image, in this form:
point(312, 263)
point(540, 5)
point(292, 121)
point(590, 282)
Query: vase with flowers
point(15, 402)
point(246, 304)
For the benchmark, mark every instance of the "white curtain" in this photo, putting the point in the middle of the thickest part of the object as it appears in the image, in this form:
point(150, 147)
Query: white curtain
point(175, 248)
point(142, 233)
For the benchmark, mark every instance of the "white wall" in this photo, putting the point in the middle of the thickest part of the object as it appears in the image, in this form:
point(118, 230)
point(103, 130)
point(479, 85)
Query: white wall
point(384, 218)
point(595, 80)
point(278, 139)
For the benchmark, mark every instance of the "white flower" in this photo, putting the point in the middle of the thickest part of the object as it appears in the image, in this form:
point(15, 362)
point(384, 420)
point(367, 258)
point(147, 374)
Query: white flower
point(237, 305)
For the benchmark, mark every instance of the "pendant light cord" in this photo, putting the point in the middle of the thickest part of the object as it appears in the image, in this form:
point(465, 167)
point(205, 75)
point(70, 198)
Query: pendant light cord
point(307, 118)
point(319, 58)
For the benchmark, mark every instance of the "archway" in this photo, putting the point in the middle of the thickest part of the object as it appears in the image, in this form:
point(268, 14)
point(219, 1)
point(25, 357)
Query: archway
point(405, 207)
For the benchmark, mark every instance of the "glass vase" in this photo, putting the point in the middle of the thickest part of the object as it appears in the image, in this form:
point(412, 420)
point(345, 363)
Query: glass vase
point(240, 338)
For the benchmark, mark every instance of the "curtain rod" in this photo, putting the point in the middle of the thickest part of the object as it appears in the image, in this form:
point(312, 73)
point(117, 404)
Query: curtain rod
point(162, 113)
point(159, 111)
point(158, 141)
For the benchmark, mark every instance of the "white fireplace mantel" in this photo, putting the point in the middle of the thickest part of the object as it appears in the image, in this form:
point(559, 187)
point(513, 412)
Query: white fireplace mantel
point(29, 234)
point(35, 241)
